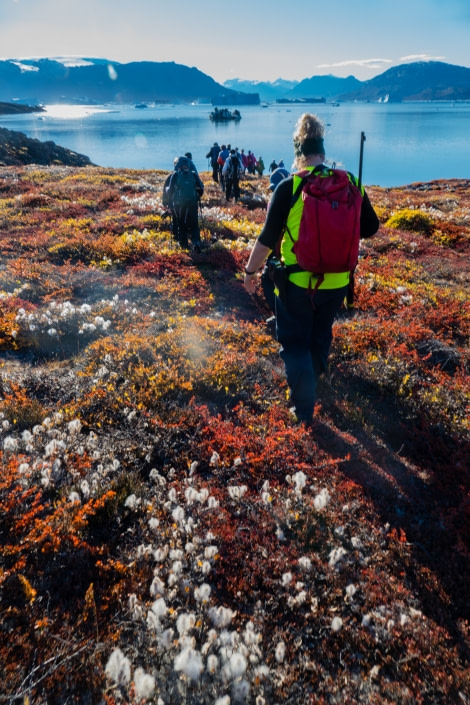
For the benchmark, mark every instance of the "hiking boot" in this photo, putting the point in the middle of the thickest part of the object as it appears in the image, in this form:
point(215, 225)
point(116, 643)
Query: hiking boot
point(307, 423)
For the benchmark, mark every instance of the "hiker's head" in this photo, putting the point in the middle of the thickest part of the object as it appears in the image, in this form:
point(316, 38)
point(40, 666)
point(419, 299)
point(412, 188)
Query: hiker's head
point(308, 139)
point(181, 163)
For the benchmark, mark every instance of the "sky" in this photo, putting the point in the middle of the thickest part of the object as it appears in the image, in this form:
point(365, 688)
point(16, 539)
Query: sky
point(258, 40)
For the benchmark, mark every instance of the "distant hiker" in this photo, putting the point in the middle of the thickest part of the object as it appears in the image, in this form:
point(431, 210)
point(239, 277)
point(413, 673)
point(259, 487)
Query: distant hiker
point(244, 158)
point(278, 175)
point(252, 162)
point(273, 165)
point(223, 155)
point(182, 192)
point(212, 154)
point(260, 166)
point(307, 300)
point(232, 170)
point(191, 164)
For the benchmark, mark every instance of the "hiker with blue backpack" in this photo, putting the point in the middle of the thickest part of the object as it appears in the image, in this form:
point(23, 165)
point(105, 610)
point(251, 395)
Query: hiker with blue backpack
point(231, 172)
point(182, 192)
point(313, 224)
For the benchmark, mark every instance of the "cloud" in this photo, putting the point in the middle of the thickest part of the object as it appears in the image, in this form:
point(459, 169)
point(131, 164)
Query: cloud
point(421, 57)
point(365, 63)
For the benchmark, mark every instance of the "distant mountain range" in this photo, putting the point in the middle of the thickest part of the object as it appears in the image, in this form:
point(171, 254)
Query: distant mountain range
point(422, 80)
point(41, 81)
point(101, 81)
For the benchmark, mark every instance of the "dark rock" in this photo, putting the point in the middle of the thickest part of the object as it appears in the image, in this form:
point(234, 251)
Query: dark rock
point(16, 149)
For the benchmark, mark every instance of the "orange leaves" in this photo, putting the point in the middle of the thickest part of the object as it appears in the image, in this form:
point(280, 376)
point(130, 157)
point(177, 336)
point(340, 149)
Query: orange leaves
point(147, 451)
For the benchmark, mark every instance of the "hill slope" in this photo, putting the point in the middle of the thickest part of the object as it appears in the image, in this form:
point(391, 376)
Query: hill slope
point(167, 533)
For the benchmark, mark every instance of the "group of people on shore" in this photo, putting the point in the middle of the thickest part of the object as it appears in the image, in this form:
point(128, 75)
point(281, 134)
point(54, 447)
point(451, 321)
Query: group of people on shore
point(248, 161)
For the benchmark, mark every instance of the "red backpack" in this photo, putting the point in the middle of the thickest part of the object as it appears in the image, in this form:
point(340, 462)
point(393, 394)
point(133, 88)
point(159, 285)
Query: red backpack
point(329, 229)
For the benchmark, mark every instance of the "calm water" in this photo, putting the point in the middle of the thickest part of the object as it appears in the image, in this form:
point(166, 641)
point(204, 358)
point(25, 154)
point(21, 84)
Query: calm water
point(404, 142)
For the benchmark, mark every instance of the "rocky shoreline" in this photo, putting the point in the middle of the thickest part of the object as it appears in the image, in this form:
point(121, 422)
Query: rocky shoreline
point(16, 149)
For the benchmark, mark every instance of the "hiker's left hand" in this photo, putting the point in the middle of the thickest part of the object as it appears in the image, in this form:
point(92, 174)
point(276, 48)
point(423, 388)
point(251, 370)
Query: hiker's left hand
point(250, 282)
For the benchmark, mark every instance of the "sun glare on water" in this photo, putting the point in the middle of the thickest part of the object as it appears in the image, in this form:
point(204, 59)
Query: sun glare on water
point(71, 111)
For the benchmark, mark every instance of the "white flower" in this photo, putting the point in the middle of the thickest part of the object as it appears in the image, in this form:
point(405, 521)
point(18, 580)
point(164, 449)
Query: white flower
point(144, 684)
point(202, 593)
point(185, 622)
point(153, 523)
point(237, 492)
point(10, 444)
point(220, 616)
point(74, 426)
point(286, 579)
point(300, 481)
point(191, 495)
point(178, 515)
point(280, 652)
point(212, 663)
point(118, 668)
point(74, 498)
point(321, 500)
point(336, 624)
point(215, 459)
point(305, 563)
point(157, 587)
point(240, 691)
point(132, 502)
point(237, 664)
point(189, 661)
point(159, 608)
point(210, 552)
point(225, 700)
point(336, 555)
point(177, 567)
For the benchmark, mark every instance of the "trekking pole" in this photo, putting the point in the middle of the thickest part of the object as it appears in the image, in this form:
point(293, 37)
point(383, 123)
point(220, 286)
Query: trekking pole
point(361, 154)
point(350, 293)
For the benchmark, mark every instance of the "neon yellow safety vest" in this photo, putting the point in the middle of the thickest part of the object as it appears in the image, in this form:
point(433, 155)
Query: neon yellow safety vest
point(305, 279)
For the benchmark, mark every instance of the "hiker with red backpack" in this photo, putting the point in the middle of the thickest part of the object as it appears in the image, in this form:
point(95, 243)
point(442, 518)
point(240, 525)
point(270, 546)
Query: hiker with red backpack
point(314, 221)
point(182, 192)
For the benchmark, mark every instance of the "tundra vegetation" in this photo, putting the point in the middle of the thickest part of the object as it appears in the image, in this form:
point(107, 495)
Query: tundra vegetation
point(167, 535)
